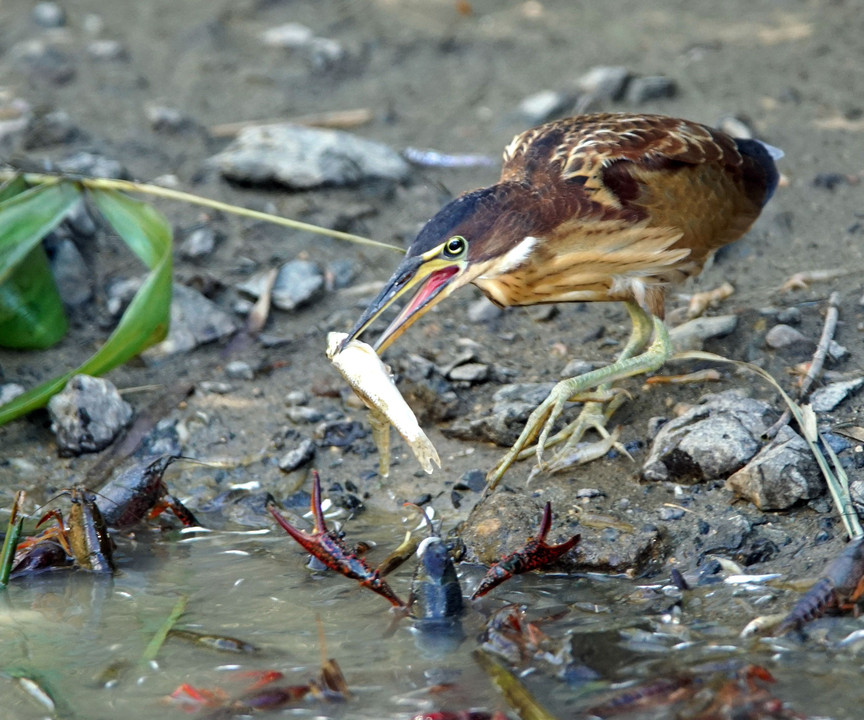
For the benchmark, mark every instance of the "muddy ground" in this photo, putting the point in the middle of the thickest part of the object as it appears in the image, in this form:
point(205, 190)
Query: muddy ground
point(450, 76)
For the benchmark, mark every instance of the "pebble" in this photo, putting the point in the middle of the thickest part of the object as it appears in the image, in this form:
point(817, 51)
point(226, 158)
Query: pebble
point(71, 274)
point(215, 387)
point(288, 35)
point(48, 15)
point(475, 480)
point(105, 49)
point(710, 441)
point(302, 157)
point(239, 370)
point(9, 391)
point(53, 128)
point(297, 283)
point(785, 336)
point(578, 366)
point(43, 60)
point(298, 457)
point(166, 119)
point(87, 415)
point(692, 334)
point(93, 165)
point(605, 82)
point(297, 397)
point(587, 493)
point(735, 126)
point(669, 513)
point(15, 114)
point(650, 88)
point(789, 316)
point(542, 106)
point(198, 243)
point(483, 310)
point(782, 473)
point(304, 414)
point(829, 397)
point(471, 372)
point(339, 274)
point(195, 320)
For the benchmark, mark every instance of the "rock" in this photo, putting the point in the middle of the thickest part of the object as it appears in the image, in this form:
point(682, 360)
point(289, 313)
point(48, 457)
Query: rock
point(297, 283)
point(301, 157)
point(239, 370)
point(195, 320)
point(578, 366)
point(339, 274)
point(48, 15)
point(650, 88)
point(53, 128)
point(604, 82)
point(198, 243)
point(670, 513)
point(9, 391)
point(837, 352)
point(831, 180)
point(471, 372)
point(304, 414)
point(43, 60)
point(542, 106)
point(93, 165)
point(288, 35)
point(105, 49)
point(735, 126)
point(15, 114)
point(785, 336)
point(215, 387)
point(692, 334)
point(827, 398)
point(483, 310)
point(298, 457)
point(710, 441)
point(781, 474)
point(789, 316)
point(167, 119)
point(87, 415)
point(71, 274)
point(426, 390)
point(297, 397)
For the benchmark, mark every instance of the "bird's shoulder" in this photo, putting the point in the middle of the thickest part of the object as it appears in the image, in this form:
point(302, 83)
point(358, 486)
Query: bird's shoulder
point(581, 146)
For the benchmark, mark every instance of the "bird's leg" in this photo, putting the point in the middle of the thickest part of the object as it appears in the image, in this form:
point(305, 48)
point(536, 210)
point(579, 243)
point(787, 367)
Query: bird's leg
point(543, 418)
point(596, 412)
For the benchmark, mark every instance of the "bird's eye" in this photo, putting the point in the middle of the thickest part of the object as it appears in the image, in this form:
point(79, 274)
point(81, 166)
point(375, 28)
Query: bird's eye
point(455, 246)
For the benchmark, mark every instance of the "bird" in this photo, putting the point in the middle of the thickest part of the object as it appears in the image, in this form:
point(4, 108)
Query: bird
point(604, 207)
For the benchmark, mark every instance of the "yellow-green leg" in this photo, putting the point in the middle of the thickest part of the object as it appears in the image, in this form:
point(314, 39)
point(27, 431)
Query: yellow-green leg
point(628, 364)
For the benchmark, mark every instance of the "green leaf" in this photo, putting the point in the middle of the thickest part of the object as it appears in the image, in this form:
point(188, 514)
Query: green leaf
point(146, 319)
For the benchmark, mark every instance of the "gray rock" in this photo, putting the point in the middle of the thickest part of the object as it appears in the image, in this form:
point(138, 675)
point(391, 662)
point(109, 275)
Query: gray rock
point(298, 457)
point(53, 128)
point(198, 243)
point(297, 397)
point(43, 59)
point(87, 415)
point(104, 49)
point(669, 513)
point(471, 372)
point(692, 334)
point(93, 165)
point(837, 352)
point(789, 316)
point(542, 106)
point(339, 274)
point(783, 473)
point(827, 398)
point(239, 370)
point(215, 387)
point(167, 119)
point(120, 293)
point(71, 274)
point(785, 336)
point(288, 35)
point(528, 393)
point(578, 366)
point(604, 82)
point(304, 414)
point(735, 126)
point(483, 310)
point(710, 441)
point(48, 15)
point(297, 283)
point(650, 88)
point(195, 320)
point(301, 157)
point(9, 391)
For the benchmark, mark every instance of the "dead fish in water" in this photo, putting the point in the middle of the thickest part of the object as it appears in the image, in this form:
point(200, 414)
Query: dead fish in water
point(361, 367)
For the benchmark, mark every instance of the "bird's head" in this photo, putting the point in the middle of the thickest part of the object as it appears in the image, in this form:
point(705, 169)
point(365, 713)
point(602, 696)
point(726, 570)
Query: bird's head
point(461, 242)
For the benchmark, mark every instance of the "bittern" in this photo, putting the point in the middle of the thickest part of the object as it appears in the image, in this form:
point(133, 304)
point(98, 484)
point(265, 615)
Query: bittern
point(605, 207)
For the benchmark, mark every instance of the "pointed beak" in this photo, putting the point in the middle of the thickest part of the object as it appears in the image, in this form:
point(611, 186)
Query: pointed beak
point(430, 276)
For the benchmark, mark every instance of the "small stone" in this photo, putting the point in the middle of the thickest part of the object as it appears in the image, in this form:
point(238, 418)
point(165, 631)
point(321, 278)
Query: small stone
point(53, 128)
point(471, 372)
point(339, 274)
point(198, 243)
point(15, 115)
point(301, 158)
point(789, 316)
point(239, 370)
point(304, 414)
point(475, 480)
point(837, 352)
point(831, 180)
point(9, 391)
point(829, 397)
point(297, 283)
point(710, 441)
point(297, 397)
point(195, 321)
point(578, 366)
point(325, 52)
point(215, 387)
point(735, 127)
point(587, 493)
point(106, 50)
point(48, 15)
point(288, 35)
point(483, 310)
point(298, 457)
point(785, 336)
point(93, 165)
point(650, 88)
point(604, 82)
point(87, 415)
point(669, 513)
point(542, 106)
point(71, 274)
point(167, 119)
point(783, 473)
point(92, 24)
point(692, 334)
point(43, 60)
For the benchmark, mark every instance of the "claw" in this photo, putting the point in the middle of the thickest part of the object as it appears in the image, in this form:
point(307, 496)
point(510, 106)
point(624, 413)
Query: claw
point(327, 546)
point(535, 554)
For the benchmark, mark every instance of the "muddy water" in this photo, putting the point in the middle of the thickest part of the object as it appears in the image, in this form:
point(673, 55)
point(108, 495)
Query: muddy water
point(68, 627)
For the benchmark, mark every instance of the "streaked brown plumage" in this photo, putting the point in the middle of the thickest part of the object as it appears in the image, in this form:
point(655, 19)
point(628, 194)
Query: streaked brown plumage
point(607, 207)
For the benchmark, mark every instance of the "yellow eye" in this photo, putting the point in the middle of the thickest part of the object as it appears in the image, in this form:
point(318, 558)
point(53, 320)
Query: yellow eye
point(455, 246)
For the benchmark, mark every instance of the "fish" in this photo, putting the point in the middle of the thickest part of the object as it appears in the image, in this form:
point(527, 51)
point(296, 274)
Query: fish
point(373, 383)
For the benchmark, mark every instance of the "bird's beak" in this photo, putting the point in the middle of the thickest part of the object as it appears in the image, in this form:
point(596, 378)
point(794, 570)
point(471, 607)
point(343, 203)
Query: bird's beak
point(431, 273)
